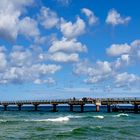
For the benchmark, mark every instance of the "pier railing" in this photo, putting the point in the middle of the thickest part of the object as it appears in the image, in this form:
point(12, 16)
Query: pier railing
point(68, 101)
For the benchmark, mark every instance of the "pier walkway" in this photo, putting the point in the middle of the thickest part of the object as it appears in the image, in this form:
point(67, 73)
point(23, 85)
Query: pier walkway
point(110, 103)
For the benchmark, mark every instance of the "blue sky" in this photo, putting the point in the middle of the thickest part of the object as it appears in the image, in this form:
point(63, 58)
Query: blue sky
point(69, 48)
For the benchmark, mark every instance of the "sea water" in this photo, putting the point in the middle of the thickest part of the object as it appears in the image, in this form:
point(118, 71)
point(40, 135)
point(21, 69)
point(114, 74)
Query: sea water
point(65, 125)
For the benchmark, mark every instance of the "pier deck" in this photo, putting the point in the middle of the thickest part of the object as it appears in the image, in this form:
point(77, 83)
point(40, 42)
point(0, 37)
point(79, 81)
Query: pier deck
point(73, 102)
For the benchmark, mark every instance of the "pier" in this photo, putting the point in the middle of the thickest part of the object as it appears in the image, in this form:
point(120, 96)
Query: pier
point(110, 103)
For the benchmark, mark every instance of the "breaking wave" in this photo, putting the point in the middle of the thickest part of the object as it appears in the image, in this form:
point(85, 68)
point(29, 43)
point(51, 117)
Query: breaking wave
point(121, 115)
point(59, 119)
point(99, 117)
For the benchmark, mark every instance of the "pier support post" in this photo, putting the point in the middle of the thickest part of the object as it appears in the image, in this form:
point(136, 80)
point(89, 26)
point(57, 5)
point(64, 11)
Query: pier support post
point(98, 103)
point(19, 107)
point(82, 107)
point(97, 108)
point(108, 108)
point(135, 108)
point(54, 107)
point(71, 107)
point(36, 107)
point(5, 107)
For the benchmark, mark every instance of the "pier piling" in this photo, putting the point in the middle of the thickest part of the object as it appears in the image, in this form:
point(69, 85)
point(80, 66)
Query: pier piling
point(5, 107)
point(19, 107)
point(98, 103)
point(135, 108)
point(36, 107)
point(108, 108)
point(97, 108)
point(71, 107)
point(54, 107)
point(82, 108)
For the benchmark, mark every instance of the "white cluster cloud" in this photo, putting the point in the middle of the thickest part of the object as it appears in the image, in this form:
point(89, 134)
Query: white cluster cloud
point(126, 80)
point(72, 30)
point(23, 65)
point(28, 27)
point(66, 45)
point(126, 53)
point(123, 60)
point(48, 18)
point(48, 81)
point(10, 12)
point(64, 2)
point(96, 73)
point(104, 71)
point(92, 19)
point(114, 18)
point(63, 57)
point(3, 60)
point(118, 49)
point(33, 64)
point(65, 50)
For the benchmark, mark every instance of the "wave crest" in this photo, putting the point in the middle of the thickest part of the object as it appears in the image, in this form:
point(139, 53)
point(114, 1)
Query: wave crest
point(121, 115)
point(59, 119)
point(99, 117)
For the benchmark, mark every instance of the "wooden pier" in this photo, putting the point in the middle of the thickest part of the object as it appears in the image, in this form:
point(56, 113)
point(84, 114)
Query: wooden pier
point(110, 103)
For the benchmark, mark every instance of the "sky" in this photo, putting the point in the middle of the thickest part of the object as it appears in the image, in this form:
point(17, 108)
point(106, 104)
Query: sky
point(54, 49)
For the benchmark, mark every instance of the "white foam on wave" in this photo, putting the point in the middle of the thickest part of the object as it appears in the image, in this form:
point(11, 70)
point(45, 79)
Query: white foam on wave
point(1, 120)
point(121, 114)
point(99, 117)
point(59, 119)
point(73, 116)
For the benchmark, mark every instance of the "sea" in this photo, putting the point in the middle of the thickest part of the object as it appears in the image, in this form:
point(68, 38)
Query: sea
point(65, 125)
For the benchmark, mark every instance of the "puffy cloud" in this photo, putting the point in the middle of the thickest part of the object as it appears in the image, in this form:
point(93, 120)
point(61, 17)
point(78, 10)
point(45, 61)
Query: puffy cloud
point(118, 49)
point(95, 73)
point(45, 40)
point(128, 54)
point(48, 18)
point(21, 58)
point(101, 71)
point(114, 18)
point(135, 43)
point(66, 45)
point(82, 68)
point(64, 2)
point(49, 81)
point(135, 49)
point(44, 69)
point(28, 27)
point(3, 59)
point(10, 11)
point(92, 19)
point(63, 57)
point(122, 61)
point(125, 79)
point(27, 74)
point(23, 65)
point(72, 30)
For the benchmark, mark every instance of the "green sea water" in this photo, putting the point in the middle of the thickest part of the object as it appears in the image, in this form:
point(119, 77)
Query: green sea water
point(41, 125)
